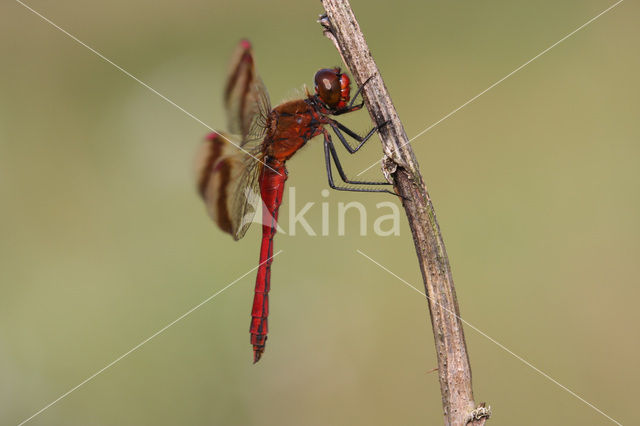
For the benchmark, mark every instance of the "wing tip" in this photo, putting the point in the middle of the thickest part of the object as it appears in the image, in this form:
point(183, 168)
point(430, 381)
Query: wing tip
point(213, 136)
point(245, 44)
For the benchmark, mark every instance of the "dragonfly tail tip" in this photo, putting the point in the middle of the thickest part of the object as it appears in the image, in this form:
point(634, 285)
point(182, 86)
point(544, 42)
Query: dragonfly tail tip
point(257, 353)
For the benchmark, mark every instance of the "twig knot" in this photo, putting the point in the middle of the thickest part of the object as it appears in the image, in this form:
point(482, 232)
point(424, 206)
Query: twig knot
point(479, 413)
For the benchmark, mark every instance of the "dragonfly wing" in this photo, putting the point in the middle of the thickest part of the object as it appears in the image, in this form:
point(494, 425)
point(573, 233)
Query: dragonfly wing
point(228, 183)
point(228, 175)
point(246, 200)
point(245, 97)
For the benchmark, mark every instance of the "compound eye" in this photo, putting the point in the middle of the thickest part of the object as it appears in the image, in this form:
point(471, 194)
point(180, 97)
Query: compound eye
point(328, 86)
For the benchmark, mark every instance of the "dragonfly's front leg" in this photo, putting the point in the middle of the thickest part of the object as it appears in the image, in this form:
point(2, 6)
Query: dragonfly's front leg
point(351, 107)
point(355, 96)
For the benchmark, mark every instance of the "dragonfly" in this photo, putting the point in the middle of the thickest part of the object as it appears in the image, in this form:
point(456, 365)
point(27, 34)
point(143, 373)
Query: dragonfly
point(240, 170)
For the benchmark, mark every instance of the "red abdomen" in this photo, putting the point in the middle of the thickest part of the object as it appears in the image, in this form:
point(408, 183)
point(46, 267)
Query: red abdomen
point(271, 189)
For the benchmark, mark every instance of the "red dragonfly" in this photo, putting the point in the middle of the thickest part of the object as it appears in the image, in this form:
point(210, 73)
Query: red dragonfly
point(231, 177)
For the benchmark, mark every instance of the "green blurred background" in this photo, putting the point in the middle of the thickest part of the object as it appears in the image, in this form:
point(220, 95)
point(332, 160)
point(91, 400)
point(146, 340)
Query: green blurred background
point(103, 240)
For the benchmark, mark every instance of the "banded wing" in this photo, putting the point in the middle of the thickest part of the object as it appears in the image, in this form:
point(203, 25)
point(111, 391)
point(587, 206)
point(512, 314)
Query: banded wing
point(245, 97)
point(229, 167)
point(228, 182)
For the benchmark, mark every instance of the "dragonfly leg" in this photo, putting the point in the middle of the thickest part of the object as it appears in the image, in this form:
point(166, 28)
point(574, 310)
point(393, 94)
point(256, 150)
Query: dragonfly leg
point(351, 107)
point(355, 96)
point(329, 153)
point(337, 127)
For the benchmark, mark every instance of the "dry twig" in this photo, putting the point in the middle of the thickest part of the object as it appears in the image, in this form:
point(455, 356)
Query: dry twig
point(400, 167)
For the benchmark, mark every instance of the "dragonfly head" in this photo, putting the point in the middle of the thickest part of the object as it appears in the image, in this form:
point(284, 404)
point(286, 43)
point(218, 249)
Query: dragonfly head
point(332, 88)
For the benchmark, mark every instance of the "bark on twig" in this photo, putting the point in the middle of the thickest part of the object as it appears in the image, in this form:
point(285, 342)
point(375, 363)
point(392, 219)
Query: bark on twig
point(400, 166)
